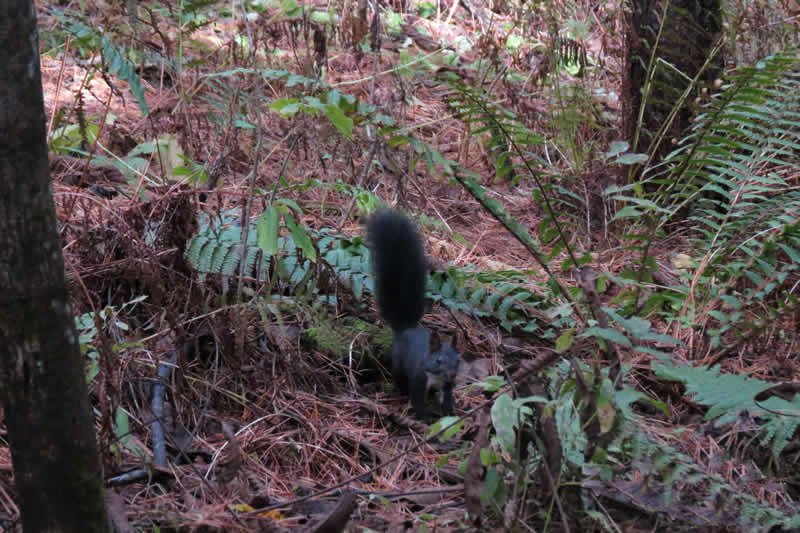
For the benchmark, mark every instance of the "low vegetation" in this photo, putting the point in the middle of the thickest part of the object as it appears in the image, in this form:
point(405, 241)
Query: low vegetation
point(628, 317)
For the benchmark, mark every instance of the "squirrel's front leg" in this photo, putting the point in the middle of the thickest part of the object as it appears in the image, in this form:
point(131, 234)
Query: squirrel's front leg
point(418, 388)
point(447, 398)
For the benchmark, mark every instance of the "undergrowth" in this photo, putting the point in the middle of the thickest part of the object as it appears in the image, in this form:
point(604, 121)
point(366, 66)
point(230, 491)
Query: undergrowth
point(584, 362)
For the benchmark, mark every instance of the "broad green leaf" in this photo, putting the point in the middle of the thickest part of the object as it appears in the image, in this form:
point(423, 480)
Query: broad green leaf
point(337, 117)
point(564, 341)
point(607, 334)
point(616, 148)
point(285, 106)
point(491, 484)
point(631, 159)
point(628, 211)
point(504, 420)
point(267, 231)
point(491, 383)
point(301, 238)
point(451, 425)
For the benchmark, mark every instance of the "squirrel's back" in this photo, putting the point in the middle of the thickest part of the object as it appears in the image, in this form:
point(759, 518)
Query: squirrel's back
point(400, 268)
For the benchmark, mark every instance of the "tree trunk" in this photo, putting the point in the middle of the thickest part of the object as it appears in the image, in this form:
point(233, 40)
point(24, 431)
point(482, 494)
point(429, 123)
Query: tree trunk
point(688, 30)
point(42, 382)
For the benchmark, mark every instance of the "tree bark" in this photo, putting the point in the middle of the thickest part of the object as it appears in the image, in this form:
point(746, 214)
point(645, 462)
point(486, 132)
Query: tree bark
point(689, 29)
point(42, 383)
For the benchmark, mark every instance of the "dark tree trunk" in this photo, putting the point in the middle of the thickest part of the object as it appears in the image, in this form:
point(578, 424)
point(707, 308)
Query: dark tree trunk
point(42, 383)
point(690, 30)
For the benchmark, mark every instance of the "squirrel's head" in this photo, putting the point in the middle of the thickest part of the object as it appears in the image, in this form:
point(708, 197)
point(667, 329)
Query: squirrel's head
point(444, 362)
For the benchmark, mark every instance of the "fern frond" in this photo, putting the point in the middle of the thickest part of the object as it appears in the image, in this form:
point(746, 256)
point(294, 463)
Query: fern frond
point(475, 109)
point(658, 477)
point(727, 396)
point(504, 296)
point(508, 135)
point(745, 131)
point(115, 57)
point(734, 175)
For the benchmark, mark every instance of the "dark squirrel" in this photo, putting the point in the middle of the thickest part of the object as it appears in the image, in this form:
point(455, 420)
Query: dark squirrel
point(401, 271)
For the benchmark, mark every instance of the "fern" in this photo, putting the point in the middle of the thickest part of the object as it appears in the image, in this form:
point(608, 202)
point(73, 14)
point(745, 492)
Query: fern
point(732, 175)
point(474, 108)
point(120, 66)
point(114, 56)
point(217, 248)
point(657, 477)
point(350, 259)
point(729, 395)
point(752, 125)
point(222, 106)
point(667, 481)
point(505, 296)
point(508, 136)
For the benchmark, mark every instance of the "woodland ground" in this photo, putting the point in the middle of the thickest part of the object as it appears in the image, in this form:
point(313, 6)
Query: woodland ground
point(260, 411)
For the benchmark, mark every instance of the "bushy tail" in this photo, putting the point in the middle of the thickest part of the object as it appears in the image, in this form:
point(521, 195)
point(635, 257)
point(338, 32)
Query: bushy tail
point(400, 268)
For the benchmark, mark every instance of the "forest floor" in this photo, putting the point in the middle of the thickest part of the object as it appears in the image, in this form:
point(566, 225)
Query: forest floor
point(259, 414)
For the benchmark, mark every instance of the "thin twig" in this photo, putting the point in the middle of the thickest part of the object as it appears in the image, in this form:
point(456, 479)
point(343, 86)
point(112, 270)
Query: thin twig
point(248, 206)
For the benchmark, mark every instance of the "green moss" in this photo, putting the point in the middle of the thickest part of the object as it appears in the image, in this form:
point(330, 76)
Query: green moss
point(340, 337)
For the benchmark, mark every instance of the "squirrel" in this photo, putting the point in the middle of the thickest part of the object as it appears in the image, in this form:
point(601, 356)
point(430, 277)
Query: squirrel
point(401, 272)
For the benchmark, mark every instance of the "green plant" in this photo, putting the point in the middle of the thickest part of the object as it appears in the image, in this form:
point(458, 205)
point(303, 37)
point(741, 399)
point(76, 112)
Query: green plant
point(311, 97)
point(626, 461)
point(426, 9)
point(505, 296)
point(508, 136)
point(728, 396)
point(152, 162)
point(116, 59)
point(274, 257)
point(217, 248)
point(731, 174)
point(745, 224)
point(73, 138)
point(109, 317)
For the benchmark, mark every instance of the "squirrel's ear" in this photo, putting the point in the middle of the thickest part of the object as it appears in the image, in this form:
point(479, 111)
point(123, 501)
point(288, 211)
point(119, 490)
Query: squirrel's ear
point(435, 341)
point(444, 341)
